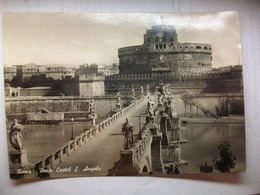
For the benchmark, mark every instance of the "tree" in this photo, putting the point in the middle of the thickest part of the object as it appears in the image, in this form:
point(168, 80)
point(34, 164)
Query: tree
point(16, 81)
point(226, 160)
point(39, 81)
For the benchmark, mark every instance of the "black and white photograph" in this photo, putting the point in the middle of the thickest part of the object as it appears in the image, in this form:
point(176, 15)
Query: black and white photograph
point(123, 94)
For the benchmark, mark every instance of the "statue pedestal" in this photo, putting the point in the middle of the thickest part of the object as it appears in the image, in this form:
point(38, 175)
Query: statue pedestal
point(18, 158)
point(118, 107)
point(19, 166)
point(126, 165)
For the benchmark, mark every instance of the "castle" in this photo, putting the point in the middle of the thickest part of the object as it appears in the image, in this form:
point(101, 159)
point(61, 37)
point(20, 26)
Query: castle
point(182, 65)
point(161, 52)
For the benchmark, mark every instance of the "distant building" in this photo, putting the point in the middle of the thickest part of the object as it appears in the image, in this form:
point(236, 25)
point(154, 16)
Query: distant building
point(9, 72)
point(108, 70)
point(29, 70)
point(58, 71)
point(87, 69)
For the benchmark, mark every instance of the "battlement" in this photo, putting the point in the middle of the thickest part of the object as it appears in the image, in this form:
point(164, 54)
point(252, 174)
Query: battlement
point(223, 72)
point(84, 78)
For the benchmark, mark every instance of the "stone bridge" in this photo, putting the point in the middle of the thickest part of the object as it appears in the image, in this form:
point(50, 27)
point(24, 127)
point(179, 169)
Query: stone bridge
point(100, 151)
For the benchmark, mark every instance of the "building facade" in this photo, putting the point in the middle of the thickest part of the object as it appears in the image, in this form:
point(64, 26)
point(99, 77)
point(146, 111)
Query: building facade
point(87, 69)
point(29, 70)
point(58, 71)
point(108, 70)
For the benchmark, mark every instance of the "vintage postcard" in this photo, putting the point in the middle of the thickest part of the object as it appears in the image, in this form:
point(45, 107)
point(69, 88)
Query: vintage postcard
point(123, 94)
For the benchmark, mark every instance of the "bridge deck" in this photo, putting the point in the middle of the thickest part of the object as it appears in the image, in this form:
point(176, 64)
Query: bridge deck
point(100, 153)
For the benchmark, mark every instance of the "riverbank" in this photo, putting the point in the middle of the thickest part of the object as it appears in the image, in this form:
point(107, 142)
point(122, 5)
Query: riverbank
point(220, 120)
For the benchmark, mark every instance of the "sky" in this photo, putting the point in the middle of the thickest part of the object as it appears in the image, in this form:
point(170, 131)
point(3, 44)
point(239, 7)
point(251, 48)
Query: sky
point(76, 38)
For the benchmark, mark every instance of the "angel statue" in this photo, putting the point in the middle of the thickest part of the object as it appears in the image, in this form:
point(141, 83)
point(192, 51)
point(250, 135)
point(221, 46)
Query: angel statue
point(127, 130)
point(16, 136)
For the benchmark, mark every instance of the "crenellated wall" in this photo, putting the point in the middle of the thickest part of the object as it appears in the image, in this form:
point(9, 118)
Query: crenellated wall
point(217, 81)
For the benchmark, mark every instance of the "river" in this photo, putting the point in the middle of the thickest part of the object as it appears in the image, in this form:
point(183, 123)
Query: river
point(204, 139)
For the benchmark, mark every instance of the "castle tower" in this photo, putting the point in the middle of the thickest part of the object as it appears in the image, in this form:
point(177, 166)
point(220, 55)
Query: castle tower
point(161, 52)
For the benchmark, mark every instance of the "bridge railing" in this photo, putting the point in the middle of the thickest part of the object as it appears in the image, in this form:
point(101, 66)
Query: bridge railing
point(141, 146)
point(59, 155)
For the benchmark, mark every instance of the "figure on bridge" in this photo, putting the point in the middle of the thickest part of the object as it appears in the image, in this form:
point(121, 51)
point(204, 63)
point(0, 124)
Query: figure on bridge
point(16, 136)
point(151, 108)
point(118, 97)
point(159, 97)
point(142, 91)
point(167, 89)
point(147, 91)
point(133, 93)
point(127, 130)
point(91, 109)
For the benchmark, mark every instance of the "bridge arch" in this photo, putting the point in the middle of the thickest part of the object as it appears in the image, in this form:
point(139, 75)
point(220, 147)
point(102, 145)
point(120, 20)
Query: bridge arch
point(145, 169)
point(146, 166)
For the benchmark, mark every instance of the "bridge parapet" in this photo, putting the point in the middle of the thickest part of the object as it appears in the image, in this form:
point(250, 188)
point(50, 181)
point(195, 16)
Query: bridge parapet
point(140, 146)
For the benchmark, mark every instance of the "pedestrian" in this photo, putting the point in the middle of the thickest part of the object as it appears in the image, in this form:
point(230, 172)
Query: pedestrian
point(176, 171)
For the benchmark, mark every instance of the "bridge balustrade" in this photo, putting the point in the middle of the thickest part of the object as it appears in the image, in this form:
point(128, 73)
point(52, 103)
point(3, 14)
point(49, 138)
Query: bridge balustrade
point(140, 147)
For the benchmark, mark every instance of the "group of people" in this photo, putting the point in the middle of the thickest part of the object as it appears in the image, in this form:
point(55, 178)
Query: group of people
point(170, 170)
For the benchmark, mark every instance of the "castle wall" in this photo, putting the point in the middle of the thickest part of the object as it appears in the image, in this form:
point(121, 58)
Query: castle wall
point(198, 82)
point(92, 88)
point(84, 85)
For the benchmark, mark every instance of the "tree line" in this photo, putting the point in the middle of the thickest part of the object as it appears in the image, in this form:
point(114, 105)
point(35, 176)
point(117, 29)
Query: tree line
point(38, 81)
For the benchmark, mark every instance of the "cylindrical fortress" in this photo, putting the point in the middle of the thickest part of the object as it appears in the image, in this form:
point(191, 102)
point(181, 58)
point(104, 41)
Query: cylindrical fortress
point(161, 52)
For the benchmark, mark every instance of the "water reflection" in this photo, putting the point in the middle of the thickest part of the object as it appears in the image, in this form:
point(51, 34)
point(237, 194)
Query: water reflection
point(41, 140)
point(204, 140)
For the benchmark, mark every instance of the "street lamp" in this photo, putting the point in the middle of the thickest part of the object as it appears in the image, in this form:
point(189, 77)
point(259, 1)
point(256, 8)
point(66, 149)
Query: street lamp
point(140, 128)
point(72, 133)
point(110, 110)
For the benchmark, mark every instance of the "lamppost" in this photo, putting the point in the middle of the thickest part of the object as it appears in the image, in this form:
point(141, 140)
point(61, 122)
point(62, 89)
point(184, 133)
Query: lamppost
point(140, 128)
point(72, 133)
point(110, 110)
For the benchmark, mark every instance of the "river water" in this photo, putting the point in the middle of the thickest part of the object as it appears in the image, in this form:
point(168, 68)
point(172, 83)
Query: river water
point(204, 139)
point(42, 140)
